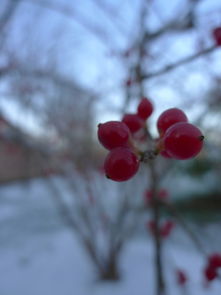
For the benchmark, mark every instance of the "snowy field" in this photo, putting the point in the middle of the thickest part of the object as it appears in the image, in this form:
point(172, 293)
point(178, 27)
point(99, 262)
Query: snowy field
point(40, 256)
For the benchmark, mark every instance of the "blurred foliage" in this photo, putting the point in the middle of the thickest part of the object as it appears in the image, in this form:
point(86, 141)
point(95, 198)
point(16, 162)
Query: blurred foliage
point(201, 207)
point(198, 167)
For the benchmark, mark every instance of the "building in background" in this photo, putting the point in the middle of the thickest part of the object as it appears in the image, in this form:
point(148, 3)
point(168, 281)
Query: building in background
point(22, 156)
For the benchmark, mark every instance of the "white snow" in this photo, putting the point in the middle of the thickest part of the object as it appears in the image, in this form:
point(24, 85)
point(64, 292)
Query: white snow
point(38, 259)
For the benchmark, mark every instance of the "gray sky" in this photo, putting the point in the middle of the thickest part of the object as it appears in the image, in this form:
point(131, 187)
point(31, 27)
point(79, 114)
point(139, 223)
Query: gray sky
point(94, 60)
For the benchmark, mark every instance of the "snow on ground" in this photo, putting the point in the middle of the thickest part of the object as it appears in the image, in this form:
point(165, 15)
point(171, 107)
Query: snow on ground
point(42, 257)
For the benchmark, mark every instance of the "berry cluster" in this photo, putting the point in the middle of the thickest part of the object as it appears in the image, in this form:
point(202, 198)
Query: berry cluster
point(212, 267)
point(122, 162)
point(178, 139)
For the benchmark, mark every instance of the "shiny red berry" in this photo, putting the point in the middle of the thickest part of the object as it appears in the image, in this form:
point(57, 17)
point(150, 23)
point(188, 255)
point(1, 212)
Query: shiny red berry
point(121, 164)
point(133, 122)
point(183, 141)
point(217, 36)
point(170, 117)
point(181, 277)
point(113, 134)
point(144, 109)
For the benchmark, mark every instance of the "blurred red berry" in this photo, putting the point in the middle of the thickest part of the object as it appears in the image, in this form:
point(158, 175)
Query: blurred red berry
point(127, 53)
point(210, 273)
point(181, 277)
point(170, 117)
point(144, 109)
point(133, 122)
point(217, 36)
point(121, 164)
point(166, 228)
point(215, 260)
point(183, 141)
point(113, 134)
point(128, 83)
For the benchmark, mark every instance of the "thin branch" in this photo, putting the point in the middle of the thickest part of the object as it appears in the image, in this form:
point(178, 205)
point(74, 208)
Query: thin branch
point(181, 62)
point(186, 228)
point(69, 12)
point(5, 19)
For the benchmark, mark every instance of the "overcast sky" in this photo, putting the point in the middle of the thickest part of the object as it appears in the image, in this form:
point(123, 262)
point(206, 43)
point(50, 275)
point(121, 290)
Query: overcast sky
point(93, 58)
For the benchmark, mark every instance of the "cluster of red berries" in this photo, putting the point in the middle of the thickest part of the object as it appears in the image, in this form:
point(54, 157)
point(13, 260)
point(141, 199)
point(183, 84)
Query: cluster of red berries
point(165, 228)
point(178, 139)
point(122, 162)
point(212, 267)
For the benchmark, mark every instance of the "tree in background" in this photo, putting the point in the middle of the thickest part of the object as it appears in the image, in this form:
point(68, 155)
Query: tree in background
point(146, 48)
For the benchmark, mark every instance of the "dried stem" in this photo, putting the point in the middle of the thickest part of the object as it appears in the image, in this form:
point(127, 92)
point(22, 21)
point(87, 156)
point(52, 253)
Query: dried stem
point(160, 282)
point(180, 62)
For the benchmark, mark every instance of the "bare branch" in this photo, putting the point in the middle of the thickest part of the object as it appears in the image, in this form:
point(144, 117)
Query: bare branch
point(69, 12)
point(181, 62)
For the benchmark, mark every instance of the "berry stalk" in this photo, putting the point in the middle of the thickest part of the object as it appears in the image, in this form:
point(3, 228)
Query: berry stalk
point(158, 259)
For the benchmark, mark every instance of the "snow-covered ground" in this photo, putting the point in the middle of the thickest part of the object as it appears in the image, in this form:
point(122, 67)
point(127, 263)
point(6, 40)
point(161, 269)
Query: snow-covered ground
point(40, 256)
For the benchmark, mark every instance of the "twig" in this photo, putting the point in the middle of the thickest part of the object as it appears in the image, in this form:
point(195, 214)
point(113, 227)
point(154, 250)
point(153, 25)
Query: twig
point(185, 226)
point(181, 62)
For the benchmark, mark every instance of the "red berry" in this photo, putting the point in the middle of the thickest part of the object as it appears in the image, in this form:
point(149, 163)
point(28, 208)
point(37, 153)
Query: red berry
point(183, 141)
point(121, 164)
point(128, 83)
point(144, 109)
point(170, 117)
point(181, 277)
point(113, 134)
point(166, 228)
point(133, 122)
point(215, 260)
point(210, 273)
point(217, 36)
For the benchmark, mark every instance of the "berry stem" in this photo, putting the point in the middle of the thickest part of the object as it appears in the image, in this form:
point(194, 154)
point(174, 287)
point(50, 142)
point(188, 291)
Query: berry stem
point(148, 155)
point(160, 282)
